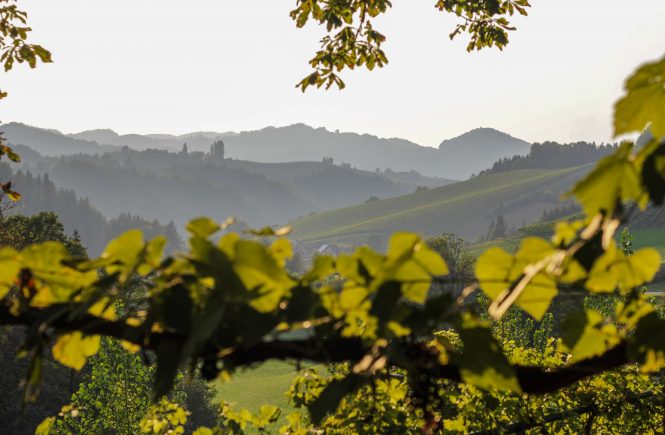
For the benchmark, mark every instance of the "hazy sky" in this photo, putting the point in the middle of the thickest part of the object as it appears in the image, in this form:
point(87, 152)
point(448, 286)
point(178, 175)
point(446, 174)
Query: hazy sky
point(167, 66)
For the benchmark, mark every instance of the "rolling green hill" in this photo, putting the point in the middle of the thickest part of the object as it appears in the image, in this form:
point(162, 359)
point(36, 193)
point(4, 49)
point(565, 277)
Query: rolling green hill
point(464, 209)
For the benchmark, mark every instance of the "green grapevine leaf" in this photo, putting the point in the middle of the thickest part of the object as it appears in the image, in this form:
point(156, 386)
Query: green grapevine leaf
point(616, 270)
point(615, 178)
point(74, 349)
point(483, 363)
point(586, 334)
point(644, 102)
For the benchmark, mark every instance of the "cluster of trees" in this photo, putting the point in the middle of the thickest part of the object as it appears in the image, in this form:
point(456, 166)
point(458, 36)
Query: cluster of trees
point(498, 228)
point(560, 212)
point(552, 155)
point(39, 194)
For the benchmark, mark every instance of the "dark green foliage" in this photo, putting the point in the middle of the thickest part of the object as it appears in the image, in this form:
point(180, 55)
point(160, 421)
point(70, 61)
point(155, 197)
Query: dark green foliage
point(216, 150)
point(560, 212)
point(551, 155)
point(116, 392)
point(14, 417)
point(497, 229)
point(20, 231)
point(460, 263)
point(113, 397)
point(76, 214)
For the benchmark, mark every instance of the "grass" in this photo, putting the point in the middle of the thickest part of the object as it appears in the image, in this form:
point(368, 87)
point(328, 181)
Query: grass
point(511, 243)
point(261, 385)
point(463, 208)
point(654, 237)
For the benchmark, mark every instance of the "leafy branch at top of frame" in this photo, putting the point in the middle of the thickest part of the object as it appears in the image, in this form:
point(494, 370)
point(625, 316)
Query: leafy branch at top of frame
point(353, 42)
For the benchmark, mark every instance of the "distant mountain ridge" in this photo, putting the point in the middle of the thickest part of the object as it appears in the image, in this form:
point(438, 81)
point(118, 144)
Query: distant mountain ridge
point(195, 141)
point(489, 143)
point(49, 142)
point(456, 158)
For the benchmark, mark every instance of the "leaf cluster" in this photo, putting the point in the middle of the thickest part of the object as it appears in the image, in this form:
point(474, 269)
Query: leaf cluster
point(353, 42)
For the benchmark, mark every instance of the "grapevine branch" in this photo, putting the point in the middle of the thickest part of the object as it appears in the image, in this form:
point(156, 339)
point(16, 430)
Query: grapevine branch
point(331, 350)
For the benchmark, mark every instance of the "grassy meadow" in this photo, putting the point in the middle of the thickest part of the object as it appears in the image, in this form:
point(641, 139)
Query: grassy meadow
point(463, 208)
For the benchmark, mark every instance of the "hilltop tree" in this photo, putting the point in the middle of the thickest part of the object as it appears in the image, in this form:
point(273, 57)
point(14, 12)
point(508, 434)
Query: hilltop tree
point(217, 150)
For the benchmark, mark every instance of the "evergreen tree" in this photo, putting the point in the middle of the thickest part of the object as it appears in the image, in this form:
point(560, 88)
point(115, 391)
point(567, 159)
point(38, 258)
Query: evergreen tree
point(217, 150)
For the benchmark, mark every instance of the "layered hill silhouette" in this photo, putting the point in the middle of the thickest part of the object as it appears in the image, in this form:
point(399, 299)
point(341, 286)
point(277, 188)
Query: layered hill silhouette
point(158, 184)
point(456, 158)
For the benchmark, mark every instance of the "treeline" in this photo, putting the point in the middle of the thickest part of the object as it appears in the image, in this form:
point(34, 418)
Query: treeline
point(552, 155)
point(39, 194)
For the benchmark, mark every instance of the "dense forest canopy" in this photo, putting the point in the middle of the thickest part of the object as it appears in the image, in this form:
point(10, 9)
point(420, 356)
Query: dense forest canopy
point(39, 194)
point(553, 155)
point(157, 183)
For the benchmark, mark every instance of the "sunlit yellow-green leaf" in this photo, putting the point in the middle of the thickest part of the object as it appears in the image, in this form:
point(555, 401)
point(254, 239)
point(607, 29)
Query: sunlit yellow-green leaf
point(282, 251)
point(497, 271)
point(45, 426)
point(401, 245)
point(616, 270)
point(586, 334)
point(482, 362)
point(322, 267)
point(260, 273)
point(125, 248)
point(154, 250)
point(493, 271)
point(203, 227)
point(58, 282)
point(566, 231)
point(74, 349)
point(103, 308)
point(9, 269)
point(644, 102)
point(615, 178)
point(430, 260)
point(415, 280)
point(534, 249)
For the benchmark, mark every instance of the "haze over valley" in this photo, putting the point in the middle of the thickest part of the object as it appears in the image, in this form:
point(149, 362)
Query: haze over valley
point(340, 188)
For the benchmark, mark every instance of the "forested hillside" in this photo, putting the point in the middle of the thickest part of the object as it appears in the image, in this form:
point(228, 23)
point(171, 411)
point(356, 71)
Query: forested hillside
point(49, 142)
point(39, 194)
point(197, 141)
point(157, 184)
point(550, 155)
